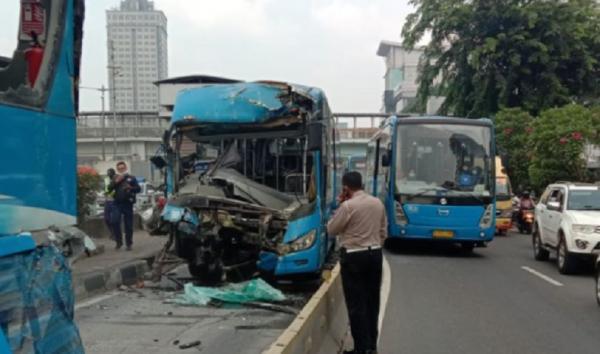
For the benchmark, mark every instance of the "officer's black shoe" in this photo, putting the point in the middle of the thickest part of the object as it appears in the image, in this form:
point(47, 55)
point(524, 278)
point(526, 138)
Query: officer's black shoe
point(118, 246)
point(128, 248)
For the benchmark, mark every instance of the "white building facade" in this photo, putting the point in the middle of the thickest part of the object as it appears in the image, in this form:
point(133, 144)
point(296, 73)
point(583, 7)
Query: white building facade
point(401, 75)
point(137, 55)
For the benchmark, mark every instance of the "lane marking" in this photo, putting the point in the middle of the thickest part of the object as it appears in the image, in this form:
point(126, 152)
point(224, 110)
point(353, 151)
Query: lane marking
point(95, 300)
point(542, 276)
point(386, 287)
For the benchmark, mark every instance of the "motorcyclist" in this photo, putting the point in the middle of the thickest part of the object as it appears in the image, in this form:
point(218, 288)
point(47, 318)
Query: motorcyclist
point(526, 203)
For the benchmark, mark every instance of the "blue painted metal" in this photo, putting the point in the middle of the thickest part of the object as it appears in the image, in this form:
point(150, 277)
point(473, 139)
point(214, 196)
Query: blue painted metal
point(10, 245)
point(38, 189)
point(38, 170)
point(423, 220)
point(240, 103)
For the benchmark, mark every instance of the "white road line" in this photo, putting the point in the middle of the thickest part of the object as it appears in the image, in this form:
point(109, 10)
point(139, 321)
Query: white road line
point(95, 300)
point(542, 276)
point(386, 287)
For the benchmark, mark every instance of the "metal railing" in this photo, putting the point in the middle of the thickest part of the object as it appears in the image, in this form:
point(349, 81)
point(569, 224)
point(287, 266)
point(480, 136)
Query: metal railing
point(120, 125)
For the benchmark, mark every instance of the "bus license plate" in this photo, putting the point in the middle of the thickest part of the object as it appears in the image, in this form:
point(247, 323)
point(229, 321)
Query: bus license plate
point(443, 234)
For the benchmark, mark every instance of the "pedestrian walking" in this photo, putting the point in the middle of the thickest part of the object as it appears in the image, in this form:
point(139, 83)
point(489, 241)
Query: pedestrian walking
point(109, 207)
point(361, 226)
point(125, 187)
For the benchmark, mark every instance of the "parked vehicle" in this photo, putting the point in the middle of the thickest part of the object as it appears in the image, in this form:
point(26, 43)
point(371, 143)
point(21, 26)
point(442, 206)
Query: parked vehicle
point(38, 188)
point(567, 221)
point(436, 176)
point(504, 205)
point(598, 280)
point(267, 196)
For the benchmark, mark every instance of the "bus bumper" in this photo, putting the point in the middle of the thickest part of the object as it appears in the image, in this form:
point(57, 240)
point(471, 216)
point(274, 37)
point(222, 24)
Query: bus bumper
point(302, 262)
point(459, 234)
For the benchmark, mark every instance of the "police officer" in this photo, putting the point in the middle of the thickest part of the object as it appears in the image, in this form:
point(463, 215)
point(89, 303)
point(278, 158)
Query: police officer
point(125, 187)
point(361, 225)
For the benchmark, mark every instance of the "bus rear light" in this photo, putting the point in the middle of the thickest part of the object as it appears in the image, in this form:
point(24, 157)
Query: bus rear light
point(400, 216)
point(486, 219)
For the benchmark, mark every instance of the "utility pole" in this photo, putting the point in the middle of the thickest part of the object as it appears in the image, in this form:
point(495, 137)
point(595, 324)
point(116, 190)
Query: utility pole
point(113, 70)
point(102, 91)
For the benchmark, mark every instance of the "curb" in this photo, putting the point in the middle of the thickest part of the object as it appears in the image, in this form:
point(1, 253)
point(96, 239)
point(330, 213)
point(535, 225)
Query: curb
point(321, 326)
point(98, 282)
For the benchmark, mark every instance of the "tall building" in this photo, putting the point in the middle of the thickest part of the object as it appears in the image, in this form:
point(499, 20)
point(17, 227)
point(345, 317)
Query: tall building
point(137, 55)
point(401, 79)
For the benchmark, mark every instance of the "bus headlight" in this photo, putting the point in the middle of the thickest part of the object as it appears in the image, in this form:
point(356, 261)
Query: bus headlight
point(400, 216)
point(486, 219)
point(301, 243)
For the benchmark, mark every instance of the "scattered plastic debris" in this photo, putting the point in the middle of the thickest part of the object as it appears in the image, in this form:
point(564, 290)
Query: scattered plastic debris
point(240, 293)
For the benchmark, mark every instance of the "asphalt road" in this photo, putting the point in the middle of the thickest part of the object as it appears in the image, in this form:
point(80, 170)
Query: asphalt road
point(143, 321)
point(498, 300)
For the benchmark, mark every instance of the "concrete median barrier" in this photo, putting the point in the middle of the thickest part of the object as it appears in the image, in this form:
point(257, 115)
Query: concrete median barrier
point(321, 326)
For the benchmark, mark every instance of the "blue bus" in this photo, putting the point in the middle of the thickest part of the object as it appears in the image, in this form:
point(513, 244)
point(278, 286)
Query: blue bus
point(38, 105)
point(436, 176)
point(264, 201)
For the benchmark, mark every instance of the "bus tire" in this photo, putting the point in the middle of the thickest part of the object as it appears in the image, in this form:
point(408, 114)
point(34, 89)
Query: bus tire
point(468, 247)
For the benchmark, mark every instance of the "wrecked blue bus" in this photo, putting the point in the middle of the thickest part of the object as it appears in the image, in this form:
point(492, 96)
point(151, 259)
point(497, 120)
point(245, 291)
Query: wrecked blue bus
point(38, 105)
point(436, 176)
point(264, 200)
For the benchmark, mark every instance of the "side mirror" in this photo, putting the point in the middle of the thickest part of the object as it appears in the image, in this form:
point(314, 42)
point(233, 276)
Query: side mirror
point(385, 159)
point(166, 136)
point(315, 136)
point(553, 205)
point(158, 161)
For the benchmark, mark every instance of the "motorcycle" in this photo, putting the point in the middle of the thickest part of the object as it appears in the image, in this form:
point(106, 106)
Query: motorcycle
point(526, 220)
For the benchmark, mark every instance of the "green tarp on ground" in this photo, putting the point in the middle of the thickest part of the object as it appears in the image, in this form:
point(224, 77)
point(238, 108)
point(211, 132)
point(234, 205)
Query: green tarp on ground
point(255, 290)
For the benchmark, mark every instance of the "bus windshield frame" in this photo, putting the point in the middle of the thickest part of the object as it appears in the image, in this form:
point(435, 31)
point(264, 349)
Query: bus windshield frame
point(445, 158)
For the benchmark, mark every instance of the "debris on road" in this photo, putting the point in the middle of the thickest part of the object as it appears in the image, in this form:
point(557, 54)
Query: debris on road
point(190, 345)
point(256, 290)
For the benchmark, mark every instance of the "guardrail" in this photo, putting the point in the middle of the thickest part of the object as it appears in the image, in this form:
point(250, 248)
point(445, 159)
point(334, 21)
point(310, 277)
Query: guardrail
point(321, 326)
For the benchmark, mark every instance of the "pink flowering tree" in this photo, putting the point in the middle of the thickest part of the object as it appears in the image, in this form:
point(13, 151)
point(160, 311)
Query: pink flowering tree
point(558, 140)
point(513, 133)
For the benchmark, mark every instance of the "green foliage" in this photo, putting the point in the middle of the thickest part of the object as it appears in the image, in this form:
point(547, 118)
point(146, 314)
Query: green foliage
point(513, 134)
point(557, 142)
point(88, 183)
point(534, 54)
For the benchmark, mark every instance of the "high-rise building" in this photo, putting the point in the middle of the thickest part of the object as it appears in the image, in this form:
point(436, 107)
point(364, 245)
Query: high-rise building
point(137, 55)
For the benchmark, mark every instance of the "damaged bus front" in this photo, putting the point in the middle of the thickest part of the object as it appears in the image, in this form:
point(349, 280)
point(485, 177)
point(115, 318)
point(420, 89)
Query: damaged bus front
point(269, 186)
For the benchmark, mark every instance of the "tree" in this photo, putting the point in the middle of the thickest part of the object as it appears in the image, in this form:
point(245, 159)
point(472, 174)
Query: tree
point(557, 144)
point(487, 54)
point(88, 183)
point(513, 134)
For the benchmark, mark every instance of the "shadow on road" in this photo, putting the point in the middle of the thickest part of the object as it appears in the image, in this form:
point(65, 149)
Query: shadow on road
point(429, 249)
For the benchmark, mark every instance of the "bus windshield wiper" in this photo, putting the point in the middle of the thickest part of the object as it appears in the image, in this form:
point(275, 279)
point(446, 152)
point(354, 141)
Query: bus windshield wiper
point(427, 190)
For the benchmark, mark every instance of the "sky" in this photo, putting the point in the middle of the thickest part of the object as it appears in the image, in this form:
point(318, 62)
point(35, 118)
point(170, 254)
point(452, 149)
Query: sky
point(329, 44)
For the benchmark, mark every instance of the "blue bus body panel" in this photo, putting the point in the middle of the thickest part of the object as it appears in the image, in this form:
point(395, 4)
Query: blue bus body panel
point(38, 153)
point(10, 245)
point(240, 103)
point(443, 216)
point(38, 171)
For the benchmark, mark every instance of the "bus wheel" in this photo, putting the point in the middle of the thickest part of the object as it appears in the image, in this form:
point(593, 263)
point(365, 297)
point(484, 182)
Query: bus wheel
point(468, 247)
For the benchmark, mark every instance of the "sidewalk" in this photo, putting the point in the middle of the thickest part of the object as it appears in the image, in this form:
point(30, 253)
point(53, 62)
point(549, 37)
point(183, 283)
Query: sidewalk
point(112, 268)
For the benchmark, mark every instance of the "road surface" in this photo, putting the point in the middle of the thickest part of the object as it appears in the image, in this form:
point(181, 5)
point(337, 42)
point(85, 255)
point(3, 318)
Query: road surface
point(498, 300)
